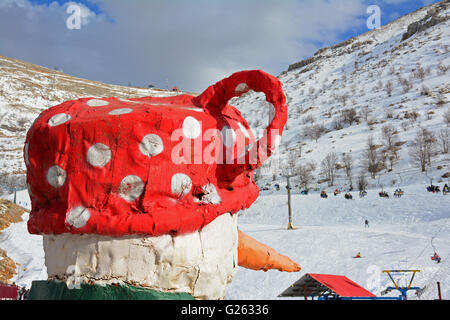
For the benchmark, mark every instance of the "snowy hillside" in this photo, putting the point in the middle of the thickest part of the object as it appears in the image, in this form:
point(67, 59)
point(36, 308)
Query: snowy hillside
point(26, 90)
point(385, 81)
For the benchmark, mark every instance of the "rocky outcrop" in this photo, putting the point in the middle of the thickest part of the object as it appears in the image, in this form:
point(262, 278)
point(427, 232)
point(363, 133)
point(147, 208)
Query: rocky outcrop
point(432, 18)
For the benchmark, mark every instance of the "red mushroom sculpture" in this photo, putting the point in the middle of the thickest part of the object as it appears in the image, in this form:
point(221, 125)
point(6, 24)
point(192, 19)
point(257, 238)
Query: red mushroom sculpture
point(144, 192)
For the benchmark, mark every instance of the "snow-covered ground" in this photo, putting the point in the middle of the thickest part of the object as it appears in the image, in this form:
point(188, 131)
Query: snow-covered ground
point(329, 232)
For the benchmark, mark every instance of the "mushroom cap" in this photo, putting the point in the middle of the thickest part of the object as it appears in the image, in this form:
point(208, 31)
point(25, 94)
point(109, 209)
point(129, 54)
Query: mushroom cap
point(147, 166)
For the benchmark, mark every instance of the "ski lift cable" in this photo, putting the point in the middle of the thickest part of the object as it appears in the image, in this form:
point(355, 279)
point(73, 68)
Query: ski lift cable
point(434, 236)
point(436, 274)
point(401, 179)
point(434, 248)
point(440, 267)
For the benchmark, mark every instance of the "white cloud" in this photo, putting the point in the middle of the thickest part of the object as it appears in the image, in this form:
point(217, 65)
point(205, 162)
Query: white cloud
point(191, 43)
point(86, 14)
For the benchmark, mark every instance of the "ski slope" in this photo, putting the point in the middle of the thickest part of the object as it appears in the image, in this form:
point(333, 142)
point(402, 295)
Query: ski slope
point(329, 232)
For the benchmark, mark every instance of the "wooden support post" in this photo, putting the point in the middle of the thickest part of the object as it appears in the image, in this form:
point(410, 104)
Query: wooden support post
point(439, 290)
point(306, 297)
point(290, 224)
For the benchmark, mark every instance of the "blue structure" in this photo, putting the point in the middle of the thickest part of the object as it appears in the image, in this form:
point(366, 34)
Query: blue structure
point(403, 290)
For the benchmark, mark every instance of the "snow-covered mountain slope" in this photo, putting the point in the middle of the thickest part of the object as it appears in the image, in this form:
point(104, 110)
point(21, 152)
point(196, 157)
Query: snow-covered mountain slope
point(384, 80)
point(27, 89)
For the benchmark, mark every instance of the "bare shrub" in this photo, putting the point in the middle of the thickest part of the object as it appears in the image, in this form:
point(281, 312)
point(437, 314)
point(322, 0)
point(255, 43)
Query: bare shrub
point(443, 138)
point(371, 157)
point(406, 84)
point(440, 100)
point(314, 131)
point(389, 113)
point(364, 113)
point(342, 99)
point(388, 88)
point(337, 122)
point(362, 182)
point(309, 119)
point(328, 167)
point(305, 174)
point(423, 149)
point(388, 134)
point(348, 166)
point(419, 72)
point(379, 85)
point(349, 116)
point(442, 69)
point(447, 117)
point(405, 125)
point(425, 91)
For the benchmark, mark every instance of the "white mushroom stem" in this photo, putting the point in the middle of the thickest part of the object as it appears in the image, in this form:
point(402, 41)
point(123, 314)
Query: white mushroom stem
point(201, 263)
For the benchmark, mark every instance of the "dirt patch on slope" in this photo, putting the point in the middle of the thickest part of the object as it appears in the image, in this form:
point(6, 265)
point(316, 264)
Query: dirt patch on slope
point(9, 213)
point(7, 267)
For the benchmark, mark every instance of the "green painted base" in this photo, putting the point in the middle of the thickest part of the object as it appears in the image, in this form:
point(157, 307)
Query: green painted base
point(51, 290)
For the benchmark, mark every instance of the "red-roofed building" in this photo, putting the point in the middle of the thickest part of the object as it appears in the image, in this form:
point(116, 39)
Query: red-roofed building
point(8, 291)
point(326, 286)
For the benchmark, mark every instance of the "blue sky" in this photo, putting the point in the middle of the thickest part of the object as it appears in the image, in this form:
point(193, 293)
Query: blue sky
point(391, 10)
point(92, 6)
point(187, 43)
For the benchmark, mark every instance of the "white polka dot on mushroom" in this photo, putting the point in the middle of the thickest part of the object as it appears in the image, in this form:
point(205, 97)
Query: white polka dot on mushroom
point(181, 184)
point(99, 155)
point(56, 176)
point(118, 112)
point(58, 119)
point(97, 103)
point(191, 128)
point(151, 145)
point(131, 188)
point(78, 217)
